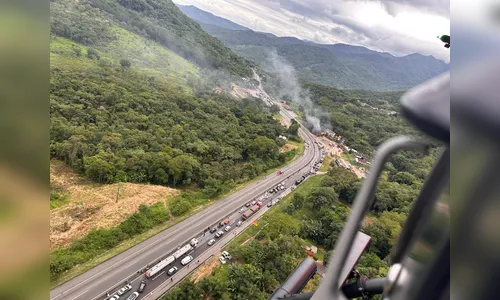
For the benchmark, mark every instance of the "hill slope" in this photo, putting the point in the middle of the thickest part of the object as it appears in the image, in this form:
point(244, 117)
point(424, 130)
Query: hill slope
point(202, 16)
point(86, 22)
point(340, 65)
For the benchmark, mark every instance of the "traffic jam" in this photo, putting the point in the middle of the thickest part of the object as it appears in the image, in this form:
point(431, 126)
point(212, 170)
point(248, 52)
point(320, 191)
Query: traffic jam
point(168, 266)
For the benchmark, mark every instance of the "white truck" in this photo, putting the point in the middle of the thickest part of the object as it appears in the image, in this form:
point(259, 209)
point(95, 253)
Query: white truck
point(159, 266)
point(182, 251)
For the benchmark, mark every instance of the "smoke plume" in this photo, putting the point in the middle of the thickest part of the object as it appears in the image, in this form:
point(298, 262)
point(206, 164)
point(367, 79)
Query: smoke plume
point(288, 88)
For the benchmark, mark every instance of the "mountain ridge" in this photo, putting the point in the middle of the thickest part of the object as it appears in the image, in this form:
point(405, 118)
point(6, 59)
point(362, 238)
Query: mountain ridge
point(339, 65)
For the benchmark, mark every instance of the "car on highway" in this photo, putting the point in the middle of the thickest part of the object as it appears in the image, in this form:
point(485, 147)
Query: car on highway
point(226, 255)
point(259, 204)
point(253, 202)
point(173, 270)
point(242, 210)
point(269, 204)
point(213, 229)
point(186, 260)
point(124, 289)
point(227, 228)
point(219, 234)
point(239, 223)
point(142, 286)
point(221, 223)
point(226, 222)
point(222, 260)
point(133, 296)
point(194, 242)
point(248, 204)
point(211, 242)
point(114, 297)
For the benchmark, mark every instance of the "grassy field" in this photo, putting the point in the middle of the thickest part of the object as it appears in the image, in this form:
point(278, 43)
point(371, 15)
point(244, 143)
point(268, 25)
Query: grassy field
point(326, 164)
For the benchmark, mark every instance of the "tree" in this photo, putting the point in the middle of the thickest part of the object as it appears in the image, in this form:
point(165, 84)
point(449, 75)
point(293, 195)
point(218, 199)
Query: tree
point(183, 168)
point(125, 63)
point(274, 109)
point(92, 53)
point(98, 169)
point(323, 196)
point(298, 200)
point(293, 128)
point(403, 178)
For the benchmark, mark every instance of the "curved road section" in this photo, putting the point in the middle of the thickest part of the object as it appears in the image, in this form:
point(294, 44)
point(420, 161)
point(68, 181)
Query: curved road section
point(112, 274)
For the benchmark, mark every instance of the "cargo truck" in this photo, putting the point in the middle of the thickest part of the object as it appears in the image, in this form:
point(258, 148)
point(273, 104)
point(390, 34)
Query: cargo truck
point(250, 212)
point(160, 266)
point(182, 251)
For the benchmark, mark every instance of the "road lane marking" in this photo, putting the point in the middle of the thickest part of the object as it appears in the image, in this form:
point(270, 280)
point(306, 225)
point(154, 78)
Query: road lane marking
point(80, 294)
point(194, 220)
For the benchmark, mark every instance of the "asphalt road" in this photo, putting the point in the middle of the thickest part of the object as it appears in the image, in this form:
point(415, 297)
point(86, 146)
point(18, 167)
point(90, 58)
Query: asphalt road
point(97, 281)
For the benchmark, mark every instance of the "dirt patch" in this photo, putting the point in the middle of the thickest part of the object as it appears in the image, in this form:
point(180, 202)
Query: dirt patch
point(287, 147)
point(285, 122)
point(333, 148)
point(207, 268)
point(367, 221)
point(92, 205)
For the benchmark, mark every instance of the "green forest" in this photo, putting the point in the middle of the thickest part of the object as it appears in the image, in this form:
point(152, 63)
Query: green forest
point(315, 212)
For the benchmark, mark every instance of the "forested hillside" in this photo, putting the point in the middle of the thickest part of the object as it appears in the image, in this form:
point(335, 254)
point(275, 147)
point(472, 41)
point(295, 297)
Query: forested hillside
point(88, 22)
point(339, 65)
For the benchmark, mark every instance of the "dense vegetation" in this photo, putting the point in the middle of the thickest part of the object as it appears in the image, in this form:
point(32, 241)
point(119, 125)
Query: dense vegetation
point(120, 125)
point(317, 210)
point(89, 21)
point(339, 65)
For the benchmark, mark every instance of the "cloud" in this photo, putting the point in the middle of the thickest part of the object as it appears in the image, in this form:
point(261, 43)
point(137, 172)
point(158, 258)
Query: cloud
point(399, 27)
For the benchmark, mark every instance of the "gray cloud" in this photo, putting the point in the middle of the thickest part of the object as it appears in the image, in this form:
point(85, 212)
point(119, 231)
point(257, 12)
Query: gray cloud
point(440, 7)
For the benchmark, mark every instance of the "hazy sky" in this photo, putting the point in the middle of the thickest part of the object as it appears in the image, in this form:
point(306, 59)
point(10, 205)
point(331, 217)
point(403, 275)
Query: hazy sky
point(397, 26)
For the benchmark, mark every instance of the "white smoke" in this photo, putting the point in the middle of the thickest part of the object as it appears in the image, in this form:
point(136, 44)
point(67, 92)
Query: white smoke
point(289, 89)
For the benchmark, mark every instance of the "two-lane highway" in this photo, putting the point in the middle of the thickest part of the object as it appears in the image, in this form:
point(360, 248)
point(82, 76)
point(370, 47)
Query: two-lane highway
point(102, 278)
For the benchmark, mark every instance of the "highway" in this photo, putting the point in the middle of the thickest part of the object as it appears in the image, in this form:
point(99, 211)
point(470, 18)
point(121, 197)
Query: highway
point(108, 276)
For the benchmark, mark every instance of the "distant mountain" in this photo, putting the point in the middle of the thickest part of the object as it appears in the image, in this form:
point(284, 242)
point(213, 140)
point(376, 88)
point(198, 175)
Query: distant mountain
point(339, 65)
point(204, 17)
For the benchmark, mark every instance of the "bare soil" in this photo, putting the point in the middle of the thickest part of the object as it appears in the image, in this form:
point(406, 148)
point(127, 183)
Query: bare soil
point(207, 268)
point(287, 147)
point(332, 147)
point(94, 205)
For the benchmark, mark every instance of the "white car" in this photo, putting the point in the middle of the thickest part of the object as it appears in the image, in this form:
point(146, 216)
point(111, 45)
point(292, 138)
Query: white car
point(133, 296)
point(226, 255)
point(222, 260)
point(114, 297)
point(211, 242)
point(227, 228)
point(194, 242)
point(124, 289)
point(239, 223)
point(242, 210)
point(186, 260)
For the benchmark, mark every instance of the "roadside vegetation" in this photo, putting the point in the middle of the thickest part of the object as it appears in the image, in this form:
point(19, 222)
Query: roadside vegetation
point(315, 213)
